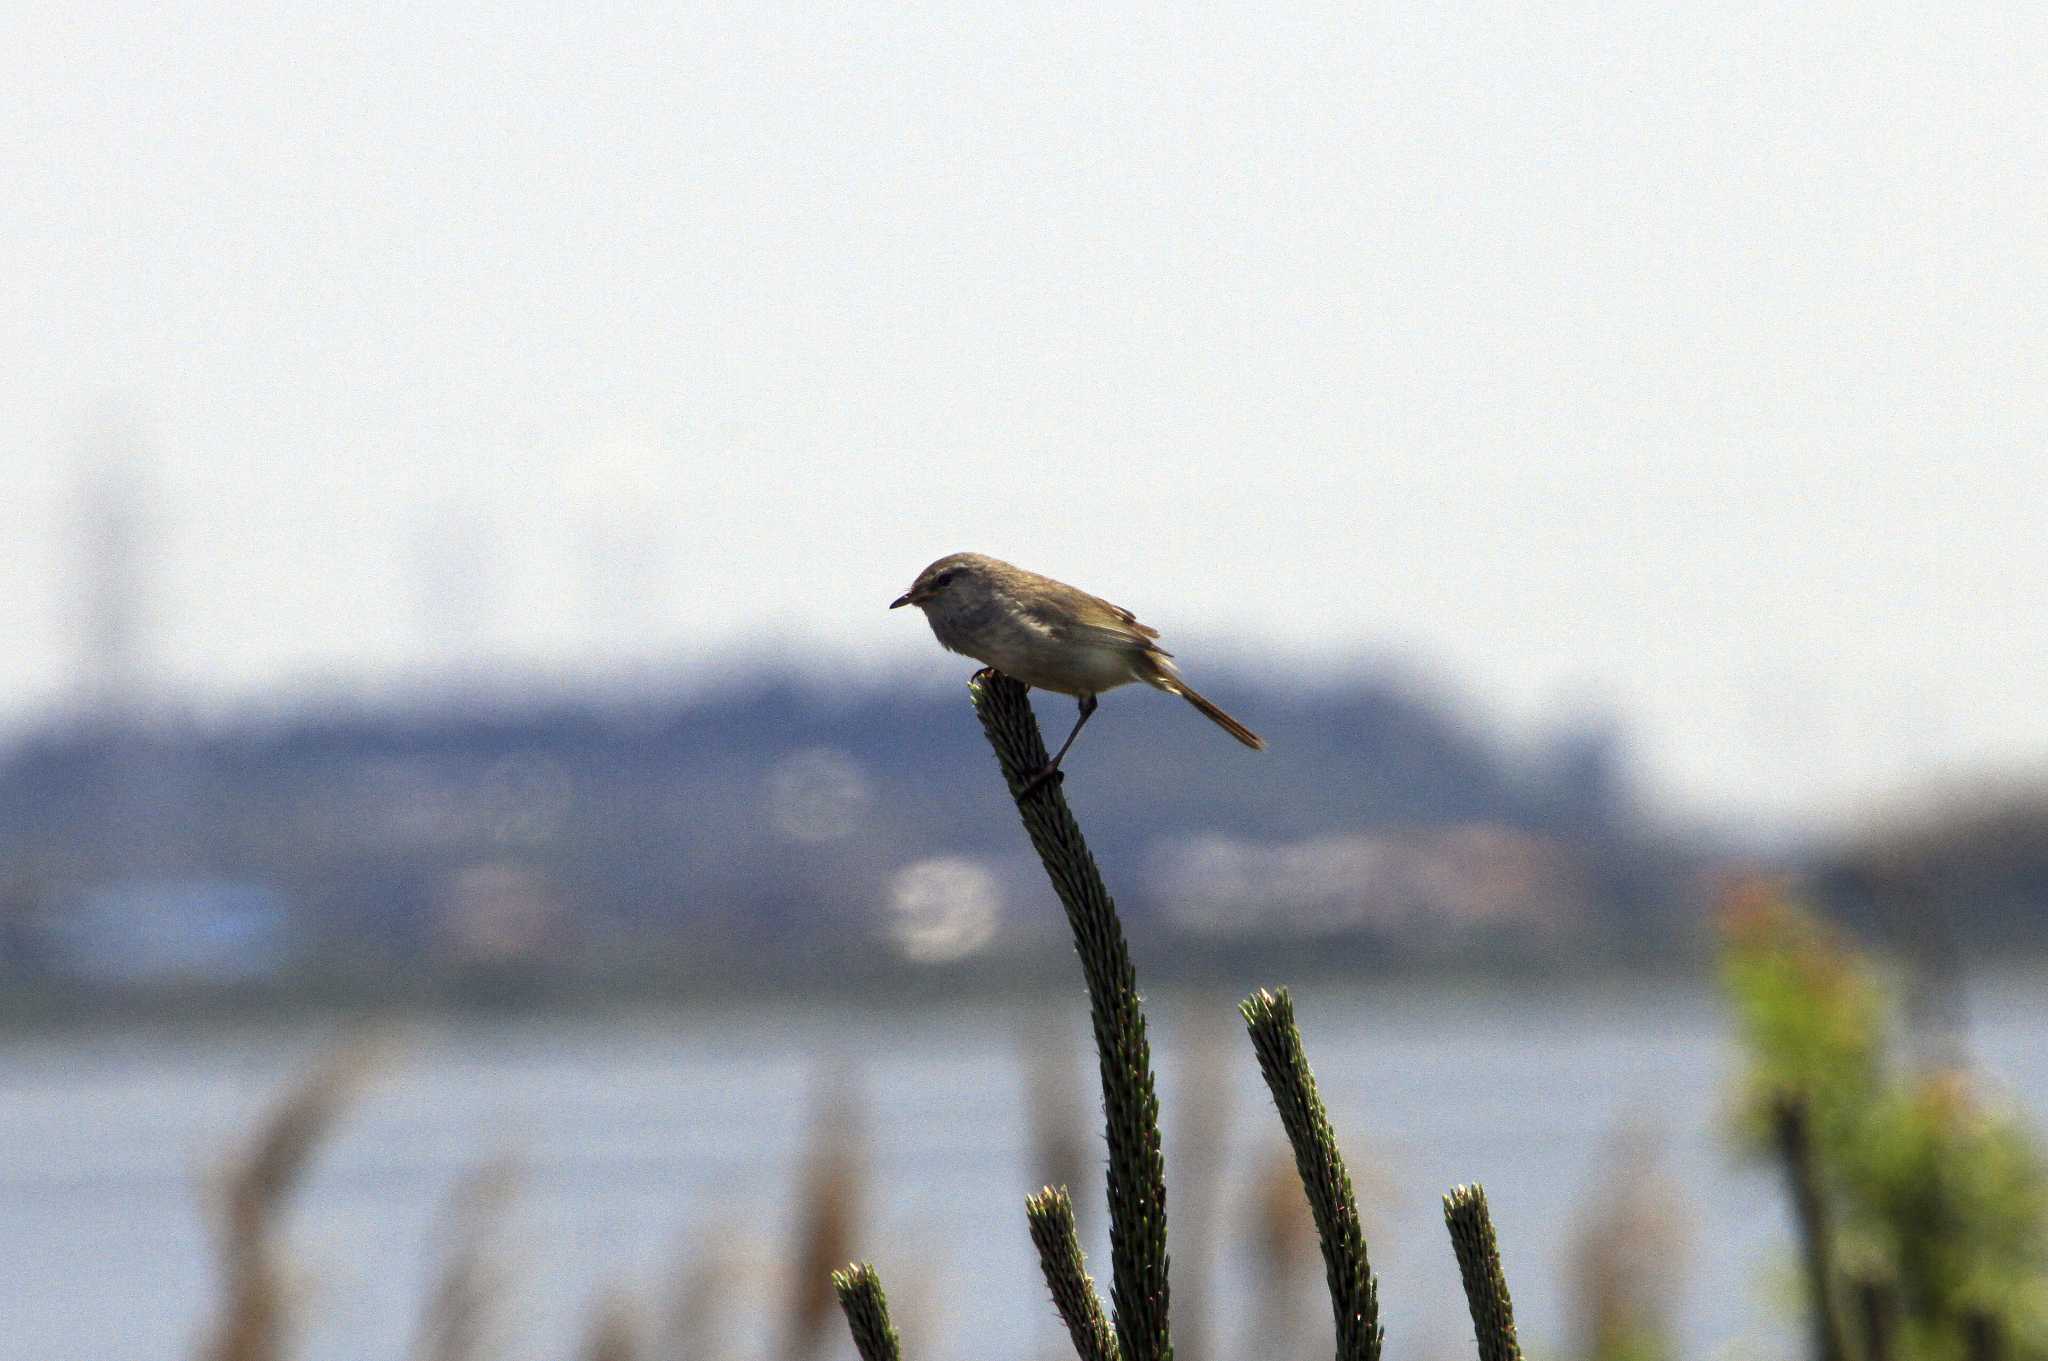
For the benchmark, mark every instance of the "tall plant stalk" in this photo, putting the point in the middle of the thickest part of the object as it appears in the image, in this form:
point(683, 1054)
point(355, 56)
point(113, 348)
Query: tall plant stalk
point(1137, 1329)
point(1130, 1100)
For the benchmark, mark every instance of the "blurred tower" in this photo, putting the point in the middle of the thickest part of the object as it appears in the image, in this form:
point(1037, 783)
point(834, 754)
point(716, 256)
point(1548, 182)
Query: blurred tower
point(140, 793)
point(111, 533)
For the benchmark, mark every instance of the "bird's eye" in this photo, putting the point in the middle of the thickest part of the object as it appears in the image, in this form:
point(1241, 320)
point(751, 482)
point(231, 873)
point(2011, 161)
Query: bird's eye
point(941, 579)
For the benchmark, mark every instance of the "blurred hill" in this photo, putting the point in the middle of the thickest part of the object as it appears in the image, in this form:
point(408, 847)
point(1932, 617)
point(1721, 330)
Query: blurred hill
point(773, 827)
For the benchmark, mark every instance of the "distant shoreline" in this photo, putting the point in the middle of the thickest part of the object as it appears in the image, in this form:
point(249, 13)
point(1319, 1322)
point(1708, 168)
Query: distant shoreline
point(30, 1010)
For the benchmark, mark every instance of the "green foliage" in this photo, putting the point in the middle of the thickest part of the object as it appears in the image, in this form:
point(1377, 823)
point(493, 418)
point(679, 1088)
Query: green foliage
point(1811, 1016)
point(1634, 1344)
point(1934, 1184)
point(1956, 1197)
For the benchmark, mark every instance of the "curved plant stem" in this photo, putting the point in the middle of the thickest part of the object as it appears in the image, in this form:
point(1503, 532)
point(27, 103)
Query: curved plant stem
point(1354, 1294)
point(1137, 1168)
point(867, 1312)
point(1051, 1215)
point(1486, 1285)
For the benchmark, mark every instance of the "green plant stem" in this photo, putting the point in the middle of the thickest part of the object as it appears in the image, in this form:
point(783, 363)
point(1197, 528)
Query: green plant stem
point(1793, 1131)
point(1051, 1216)
point(1354, 1294)
point(1983, 1338)
point(1486, 1285)
point(1137, 1168)
point(867, 1312)
point(1878, 1305)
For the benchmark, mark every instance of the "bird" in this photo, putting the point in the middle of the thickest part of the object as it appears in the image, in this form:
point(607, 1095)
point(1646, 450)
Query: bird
point(1049, 634)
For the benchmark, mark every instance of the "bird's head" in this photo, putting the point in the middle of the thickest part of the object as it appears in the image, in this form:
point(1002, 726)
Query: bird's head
point(948, 574)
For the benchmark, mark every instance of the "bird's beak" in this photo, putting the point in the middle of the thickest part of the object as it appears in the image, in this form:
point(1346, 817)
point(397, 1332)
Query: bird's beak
point(900, 601)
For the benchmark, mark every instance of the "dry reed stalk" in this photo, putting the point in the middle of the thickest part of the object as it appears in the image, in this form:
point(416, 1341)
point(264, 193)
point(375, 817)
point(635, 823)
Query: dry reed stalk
point(1060, 1137)
point(471, 1275)
point(1628, 1256)
point(1201, 1133)
point(828, 1205)
point(697, 1323)
point(250, 1200)
point(614, 1333)
point(1283, 1253)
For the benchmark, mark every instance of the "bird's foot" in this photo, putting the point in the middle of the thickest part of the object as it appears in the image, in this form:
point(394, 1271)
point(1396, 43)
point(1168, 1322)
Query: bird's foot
point(1052, 774)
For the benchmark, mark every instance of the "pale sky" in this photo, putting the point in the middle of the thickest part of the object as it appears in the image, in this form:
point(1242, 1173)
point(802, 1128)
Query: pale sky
point(1689, 361)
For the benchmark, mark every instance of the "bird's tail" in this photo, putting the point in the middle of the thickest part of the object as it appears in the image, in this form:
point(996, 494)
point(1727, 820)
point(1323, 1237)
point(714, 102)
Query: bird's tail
point(1217, 716)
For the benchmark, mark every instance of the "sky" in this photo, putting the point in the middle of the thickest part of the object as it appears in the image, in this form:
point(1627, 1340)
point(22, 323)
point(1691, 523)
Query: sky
point(1689, 367)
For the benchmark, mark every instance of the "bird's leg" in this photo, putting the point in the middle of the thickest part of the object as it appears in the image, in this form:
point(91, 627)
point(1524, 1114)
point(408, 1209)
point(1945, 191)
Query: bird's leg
point(1052, 767)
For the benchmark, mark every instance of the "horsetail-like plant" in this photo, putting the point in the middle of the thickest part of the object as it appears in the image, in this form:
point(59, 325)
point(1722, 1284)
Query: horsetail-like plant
point(1137, 1327)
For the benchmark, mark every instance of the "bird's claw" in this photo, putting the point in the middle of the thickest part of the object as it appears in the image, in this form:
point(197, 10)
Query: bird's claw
point(1050, 775)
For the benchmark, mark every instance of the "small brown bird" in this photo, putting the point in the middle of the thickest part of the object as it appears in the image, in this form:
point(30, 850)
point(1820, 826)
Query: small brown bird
point(1051, 635)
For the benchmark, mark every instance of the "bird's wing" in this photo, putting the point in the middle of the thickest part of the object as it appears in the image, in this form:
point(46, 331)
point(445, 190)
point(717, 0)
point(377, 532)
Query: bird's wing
point(1127, 619)
point(1084, 618)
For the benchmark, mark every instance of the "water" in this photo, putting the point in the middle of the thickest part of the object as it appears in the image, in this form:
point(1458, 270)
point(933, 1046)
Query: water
point(643, 1143)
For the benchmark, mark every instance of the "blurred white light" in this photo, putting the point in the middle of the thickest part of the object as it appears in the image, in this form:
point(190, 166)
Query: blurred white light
point(817, 794)
point(497, 912)
point(1457, 876)
point(1222, 885)
point(943, 908)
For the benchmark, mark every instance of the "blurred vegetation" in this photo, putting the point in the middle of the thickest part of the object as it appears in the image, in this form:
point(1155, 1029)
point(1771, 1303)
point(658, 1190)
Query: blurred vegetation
point(1921, 1198)
point(1628, 1255)
point(1928, 1190)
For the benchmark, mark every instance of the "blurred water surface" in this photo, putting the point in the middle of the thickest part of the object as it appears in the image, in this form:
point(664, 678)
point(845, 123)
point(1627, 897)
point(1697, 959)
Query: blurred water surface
point(645, 1140)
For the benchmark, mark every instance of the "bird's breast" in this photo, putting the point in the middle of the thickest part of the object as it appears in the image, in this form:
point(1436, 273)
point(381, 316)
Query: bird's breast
point(1000, 639)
